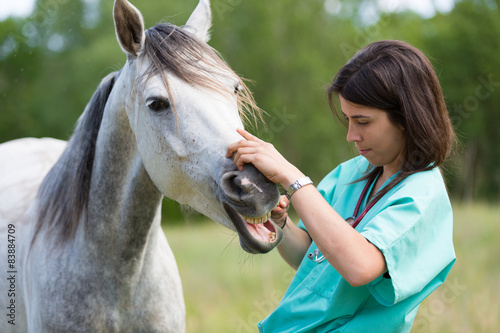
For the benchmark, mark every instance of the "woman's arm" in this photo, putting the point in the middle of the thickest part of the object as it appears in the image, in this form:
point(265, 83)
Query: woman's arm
point(296, 241)
point(294, 245)
point(356, 259)
point(352, 255)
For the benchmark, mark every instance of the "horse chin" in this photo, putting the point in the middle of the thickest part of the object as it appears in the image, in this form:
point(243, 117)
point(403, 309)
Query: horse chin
point(254, 237)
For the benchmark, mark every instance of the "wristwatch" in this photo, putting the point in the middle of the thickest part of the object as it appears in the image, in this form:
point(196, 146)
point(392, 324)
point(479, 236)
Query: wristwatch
point(301, 182)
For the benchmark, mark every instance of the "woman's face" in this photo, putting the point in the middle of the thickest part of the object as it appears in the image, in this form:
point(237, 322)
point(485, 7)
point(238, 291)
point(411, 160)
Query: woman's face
point(375, 136)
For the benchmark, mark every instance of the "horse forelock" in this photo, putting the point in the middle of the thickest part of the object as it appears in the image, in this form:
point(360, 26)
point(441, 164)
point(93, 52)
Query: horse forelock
point(172, 50)
point(63, 194)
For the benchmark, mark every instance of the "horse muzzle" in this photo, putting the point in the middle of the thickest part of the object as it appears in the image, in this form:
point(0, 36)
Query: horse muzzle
point(248, 198)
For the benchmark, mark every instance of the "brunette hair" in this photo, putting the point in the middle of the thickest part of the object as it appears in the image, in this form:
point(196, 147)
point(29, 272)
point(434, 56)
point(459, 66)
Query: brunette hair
point(398, 78)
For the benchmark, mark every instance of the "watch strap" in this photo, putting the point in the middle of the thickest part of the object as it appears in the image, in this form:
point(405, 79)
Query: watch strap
point(296, 185)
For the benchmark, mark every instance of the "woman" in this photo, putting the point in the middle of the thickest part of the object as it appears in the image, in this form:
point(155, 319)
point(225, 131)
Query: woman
point(370, 274)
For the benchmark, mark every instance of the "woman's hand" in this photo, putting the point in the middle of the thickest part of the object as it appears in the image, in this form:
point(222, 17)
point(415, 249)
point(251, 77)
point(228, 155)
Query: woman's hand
point(280, 212)
point(264, 157)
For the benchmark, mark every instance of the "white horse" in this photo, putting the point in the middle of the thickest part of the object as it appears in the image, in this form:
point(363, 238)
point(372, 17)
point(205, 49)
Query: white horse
point(82, 246)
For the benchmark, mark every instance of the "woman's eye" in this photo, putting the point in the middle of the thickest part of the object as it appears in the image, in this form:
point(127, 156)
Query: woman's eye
point(362, 123)
point(158, 104)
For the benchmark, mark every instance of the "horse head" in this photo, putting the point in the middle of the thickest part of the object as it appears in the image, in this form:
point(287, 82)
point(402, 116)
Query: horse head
point(184, 105)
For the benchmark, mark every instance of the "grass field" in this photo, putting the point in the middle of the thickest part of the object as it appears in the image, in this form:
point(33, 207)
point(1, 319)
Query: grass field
point(227, 290)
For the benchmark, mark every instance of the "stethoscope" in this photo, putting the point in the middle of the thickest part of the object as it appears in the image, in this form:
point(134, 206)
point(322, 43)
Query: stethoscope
point(316, 255)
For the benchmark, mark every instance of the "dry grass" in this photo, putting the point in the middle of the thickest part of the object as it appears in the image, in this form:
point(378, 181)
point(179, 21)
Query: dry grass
point(469, 301)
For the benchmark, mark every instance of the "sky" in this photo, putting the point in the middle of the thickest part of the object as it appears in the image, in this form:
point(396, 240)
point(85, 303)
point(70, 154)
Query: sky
point(426, 8)
point(16, 8)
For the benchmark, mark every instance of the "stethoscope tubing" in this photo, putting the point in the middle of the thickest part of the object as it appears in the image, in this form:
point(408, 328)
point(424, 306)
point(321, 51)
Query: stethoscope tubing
point(316, 254)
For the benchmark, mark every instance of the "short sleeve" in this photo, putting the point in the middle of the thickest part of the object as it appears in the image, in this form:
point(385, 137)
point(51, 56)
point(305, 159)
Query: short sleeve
point(414, 233)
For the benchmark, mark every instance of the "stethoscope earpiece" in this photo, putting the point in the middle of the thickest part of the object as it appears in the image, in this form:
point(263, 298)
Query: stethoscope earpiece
point(315, 256)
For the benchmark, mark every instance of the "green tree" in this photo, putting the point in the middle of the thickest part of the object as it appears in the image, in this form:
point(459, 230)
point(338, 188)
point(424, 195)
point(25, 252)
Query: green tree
point(469, 74)
point(51, 62)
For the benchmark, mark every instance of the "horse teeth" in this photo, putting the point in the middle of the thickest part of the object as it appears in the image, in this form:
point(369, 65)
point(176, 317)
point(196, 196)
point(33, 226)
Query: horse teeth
point(272, 237)
point(257, 220)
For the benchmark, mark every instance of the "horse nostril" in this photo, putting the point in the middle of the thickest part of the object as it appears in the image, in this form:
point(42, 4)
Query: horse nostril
point(238, 186)
point(249, 191)
point(230, 186)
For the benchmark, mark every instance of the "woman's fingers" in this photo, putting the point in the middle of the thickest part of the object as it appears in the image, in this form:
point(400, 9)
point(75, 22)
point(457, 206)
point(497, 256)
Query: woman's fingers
point(234, 147)
point(280, 212)
point(284, 202)
point(244, 155)
point(247, 135)
point(244, 151)
point(250, 140)
point(281, 209)
point(262, 155)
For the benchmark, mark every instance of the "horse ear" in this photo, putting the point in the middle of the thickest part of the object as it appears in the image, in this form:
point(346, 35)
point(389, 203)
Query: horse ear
point(200, 21)
point(129, 26)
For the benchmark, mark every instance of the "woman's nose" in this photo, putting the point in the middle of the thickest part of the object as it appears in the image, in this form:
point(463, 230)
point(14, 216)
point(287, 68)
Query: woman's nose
point(352, 134)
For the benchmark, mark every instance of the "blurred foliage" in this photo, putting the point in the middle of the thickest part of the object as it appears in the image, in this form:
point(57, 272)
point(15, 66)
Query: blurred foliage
point(51, 62)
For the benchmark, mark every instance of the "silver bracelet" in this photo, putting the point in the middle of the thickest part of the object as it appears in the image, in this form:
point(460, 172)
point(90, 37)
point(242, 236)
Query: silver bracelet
point(301, 182)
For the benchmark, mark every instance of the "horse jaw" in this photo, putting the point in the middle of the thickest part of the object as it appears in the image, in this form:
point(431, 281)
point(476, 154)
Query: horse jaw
point(254, 237)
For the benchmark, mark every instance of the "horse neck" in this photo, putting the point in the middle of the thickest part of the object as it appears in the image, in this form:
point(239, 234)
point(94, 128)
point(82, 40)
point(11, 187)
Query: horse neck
point(123, 208)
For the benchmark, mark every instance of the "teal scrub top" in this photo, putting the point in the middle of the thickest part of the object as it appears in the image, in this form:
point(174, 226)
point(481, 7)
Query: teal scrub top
point(412, 226)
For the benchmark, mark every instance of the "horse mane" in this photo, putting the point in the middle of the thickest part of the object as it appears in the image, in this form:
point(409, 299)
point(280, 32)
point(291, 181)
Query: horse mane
point(63, 194)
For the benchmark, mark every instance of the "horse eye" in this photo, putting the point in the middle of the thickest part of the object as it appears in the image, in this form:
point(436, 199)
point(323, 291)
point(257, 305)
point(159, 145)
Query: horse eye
point(158, 104)
point(237, 89)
